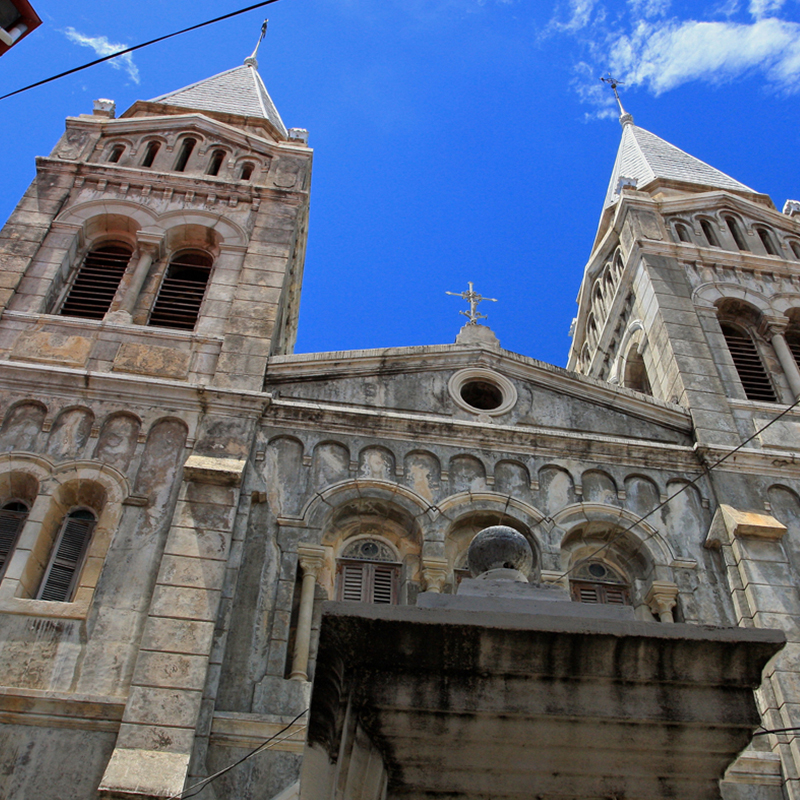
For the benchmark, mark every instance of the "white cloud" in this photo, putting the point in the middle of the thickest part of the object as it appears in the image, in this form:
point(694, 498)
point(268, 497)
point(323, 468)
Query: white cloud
point(651, 8)
point(580, 14)
point(662, 57)
point(103, 47)
point(763, 8)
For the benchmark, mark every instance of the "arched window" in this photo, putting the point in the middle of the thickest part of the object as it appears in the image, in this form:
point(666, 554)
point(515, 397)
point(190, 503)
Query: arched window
point(596, 582)
point(635, 373)
point(150, 154)
point(766, 240)
point(12, 517)
point(183, 156)
point(795, 248)
point(709, 233)
point(792, 337)
point(683, 233)
point(214, 165)
point(246, 172)
point(66, 557)
point(736, 232)
point(747, 361)
point(116, 153)
point(367, 572)
point(96, 281)
point(182, 291)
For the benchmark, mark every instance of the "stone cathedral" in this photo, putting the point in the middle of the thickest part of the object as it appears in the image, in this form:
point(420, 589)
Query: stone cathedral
point(213, 550)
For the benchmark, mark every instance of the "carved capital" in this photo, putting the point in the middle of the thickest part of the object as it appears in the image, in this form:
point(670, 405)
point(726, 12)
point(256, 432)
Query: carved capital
point(434, 573)
point(311, 558)
point(662, 598)
point(773, 325)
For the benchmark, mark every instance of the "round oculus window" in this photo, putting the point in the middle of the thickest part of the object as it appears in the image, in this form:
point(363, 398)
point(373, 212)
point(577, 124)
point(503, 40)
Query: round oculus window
point(482, 391)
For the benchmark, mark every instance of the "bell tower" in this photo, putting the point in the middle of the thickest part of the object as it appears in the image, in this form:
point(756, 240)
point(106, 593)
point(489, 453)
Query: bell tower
point(168, 242)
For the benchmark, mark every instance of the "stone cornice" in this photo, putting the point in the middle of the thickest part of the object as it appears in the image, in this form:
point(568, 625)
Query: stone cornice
point(446, 431)
point(404, 360)
point(43, 380)
point(60, 709)
point(759, 462)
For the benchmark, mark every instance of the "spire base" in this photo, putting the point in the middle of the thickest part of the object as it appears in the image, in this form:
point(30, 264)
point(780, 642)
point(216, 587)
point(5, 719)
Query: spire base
point(626, 119)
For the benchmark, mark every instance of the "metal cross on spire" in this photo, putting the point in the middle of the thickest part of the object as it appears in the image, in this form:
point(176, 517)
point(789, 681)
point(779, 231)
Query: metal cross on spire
point(624, 116)
point(251, 59)
point(473, 298)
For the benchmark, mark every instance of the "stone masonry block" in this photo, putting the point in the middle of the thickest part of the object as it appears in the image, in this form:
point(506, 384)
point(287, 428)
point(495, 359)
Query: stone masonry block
point(178, 636)
point(196, 572)
point(194, 543)
point(153, 706)
point(772, 599)
point(170, 670)
point(161, 738)
point(184, 603)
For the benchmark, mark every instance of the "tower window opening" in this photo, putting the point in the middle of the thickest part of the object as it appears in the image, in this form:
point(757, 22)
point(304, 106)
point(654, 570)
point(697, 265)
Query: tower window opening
point(795, 248)
point(12, 518)
point(216, 162)
point(67, 555)
point(792, 337)
point(635, 374)
point(709, 233)
point(736, 232)
point(96, 282)
point(746, 359)
point(150, 154)
point(182, 291)
point(683, 234)
point(246, 172)
point(183, 157)
point(766, 240)
point(116, 154)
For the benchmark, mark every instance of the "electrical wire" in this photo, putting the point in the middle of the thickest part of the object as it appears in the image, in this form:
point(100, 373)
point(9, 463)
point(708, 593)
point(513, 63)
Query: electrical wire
point(692, 482)
point(139, 47)
point(200, 785)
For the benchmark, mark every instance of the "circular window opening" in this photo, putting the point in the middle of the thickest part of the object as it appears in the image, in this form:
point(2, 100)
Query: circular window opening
point(482, 394)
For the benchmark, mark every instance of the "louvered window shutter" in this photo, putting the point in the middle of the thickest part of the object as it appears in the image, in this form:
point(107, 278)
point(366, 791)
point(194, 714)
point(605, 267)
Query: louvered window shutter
point(368, 582)
point(67, 557)
point(11, 522)
point(182, 291)
point(96, 282)
point(600, 593)
point(747, 361)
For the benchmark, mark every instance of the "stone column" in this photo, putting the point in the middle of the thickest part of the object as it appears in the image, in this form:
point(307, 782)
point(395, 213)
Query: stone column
point(434, 573)
point(774, 328)
point(147, 253)
point(311, 560)
point(662, 598)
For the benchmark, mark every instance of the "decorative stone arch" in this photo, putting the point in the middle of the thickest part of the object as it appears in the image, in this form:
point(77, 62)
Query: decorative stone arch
point(785, 303)
point(107, 144)
point(83, 214)
point(710, 295)
point(21, 476)
point(634, 549)
point(247, 158)
point(634, 337)
point(223, 231)
point(462, 515)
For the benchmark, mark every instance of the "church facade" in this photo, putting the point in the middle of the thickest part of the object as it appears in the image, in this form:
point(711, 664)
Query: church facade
point(180, 492)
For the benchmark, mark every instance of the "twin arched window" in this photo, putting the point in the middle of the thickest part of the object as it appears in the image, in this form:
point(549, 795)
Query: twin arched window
point(182, 290)
point(96, 281)
point(748, 363)
point(67, 555)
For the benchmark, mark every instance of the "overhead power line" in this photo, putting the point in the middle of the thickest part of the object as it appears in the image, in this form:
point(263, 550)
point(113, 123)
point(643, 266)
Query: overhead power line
point(138, 47)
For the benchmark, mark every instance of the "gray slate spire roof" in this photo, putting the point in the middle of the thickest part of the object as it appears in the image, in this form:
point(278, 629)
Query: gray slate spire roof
point(643, 157)
point(237, 91)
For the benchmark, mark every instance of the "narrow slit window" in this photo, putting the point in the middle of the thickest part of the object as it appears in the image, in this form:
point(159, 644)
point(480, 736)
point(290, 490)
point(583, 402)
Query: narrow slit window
point(683, 234)
point(708, 232)
point(96, 282)
point(736, 232)
point(116, 154)
point(12, 518)
point(766, 240)
point(150, 154)
point(182, 291)
point(216, 162)
point(246, 172)
point(749, 366)
point(183, 156)
point(67, 555)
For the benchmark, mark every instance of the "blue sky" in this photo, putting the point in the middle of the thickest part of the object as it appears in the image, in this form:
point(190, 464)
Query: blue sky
point(454, 140)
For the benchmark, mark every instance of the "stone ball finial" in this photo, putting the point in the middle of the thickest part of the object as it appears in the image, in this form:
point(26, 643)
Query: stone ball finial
point(499, 547)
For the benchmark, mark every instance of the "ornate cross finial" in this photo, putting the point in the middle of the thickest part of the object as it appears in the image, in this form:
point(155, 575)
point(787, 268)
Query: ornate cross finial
point(251, 59)
point(624, 116)
point(473, 298)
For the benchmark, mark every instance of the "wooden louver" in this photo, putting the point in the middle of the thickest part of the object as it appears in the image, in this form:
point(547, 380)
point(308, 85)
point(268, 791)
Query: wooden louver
point(96, 282)
point(67, 557)
point(614, 595)
point(368, 582)
point(11, 521)
point(747, 361)
point(182, 291)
